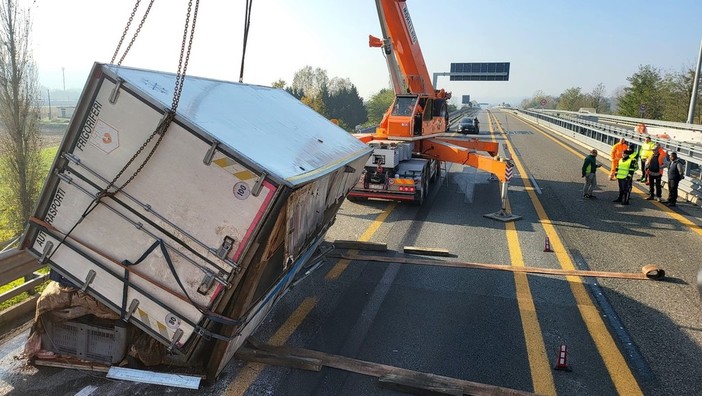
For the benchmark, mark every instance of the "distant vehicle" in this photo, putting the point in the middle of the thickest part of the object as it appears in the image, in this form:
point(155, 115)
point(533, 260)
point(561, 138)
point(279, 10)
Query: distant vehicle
point(466, 126)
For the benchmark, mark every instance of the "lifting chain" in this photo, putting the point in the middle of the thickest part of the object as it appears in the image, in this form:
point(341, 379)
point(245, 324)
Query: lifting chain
point(165, 121)
point(170, 115)
point(126, 29)
point(247, 23)
point(180, 76)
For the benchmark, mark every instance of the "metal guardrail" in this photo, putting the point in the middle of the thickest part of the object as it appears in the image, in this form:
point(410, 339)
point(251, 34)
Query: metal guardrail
point(629, 120)
point(603, 136)
point(16, 264)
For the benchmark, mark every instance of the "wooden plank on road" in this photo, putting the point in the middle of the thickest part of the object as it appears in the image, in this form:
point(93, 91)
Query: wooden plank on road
point(278, 359)
point(648, 272)
point(410, 385)
point(426, 251)
point(360, 245)
point(401, 378)
point(72, 363)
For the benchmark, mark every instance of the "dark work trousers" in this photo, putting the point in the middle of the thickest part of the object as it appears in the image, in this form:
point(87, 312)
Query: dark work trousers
point(654, 186)
point(673, 190)
point(590, 183)
point(624, 190)
point(644, 176)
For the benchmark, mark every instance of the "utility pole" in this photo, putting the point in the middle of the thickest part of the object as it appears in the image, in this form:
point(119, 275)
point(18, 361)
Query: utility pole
point(695, 86)
point(63, 73)
point(48, 93)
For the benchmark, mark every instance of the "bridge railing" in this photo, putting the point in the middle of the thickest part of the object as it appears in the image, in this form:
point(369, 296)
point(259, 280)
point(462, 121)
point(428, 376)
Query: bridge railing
point(602, 136)
point(18, 264)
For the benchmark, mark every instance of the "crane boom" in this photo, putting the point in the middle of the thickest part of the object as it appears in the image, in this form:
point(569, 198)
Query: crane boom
point(410, 142)
point(419, 111)
point(402, 49)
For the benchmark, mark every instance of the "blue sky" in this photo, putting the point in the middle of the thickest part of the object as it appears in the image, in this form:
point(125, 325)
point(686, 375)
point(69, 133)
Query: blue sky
point(551, 45)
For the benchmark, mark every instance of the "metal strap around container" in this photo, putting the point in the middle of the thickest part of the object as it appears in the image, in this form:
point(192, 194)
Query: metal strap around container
point(215, 317)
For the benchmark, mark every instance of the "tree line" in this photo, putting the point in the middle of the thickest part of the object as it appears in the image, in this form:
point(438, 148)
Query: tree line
point(337, 98)
point(651, 94)
point(21, 173)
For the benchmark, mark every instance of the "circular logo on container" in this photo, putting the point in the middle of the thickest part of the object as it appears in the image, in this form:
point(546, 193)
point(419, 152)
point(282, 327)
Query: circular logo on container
point(172, 321)
point(391, 181)
point(105, 137)
point(241, 190)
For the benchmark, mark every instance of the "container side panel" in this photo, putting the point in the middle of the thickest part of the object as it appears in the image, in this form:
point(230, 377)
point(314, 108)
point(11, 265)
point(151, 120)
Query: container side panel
point(107, 285)
point(197, 217)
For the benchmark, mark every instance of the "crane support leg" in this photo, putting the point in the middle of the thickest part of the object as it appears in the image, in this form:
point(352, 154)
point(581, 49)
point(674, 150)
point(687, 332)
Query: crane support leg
point(466, 154)
point(478, 145)
point(504, 214)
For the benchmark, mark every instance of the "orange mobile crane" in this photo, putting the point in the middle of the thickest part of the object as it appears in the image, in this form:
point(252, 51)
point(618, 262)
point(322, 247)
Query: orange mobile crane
point(410, 141)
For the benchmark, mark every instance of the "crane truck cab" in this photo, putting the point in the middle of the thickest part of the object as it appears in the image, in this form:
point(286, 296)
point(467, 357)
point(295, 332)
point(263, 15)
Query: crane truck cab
point(414, 115)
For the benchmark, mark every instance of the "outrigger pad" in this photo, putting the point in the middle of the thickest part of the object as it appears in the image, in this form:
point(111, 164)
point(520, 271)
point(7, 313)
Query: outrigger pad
point(502, 216)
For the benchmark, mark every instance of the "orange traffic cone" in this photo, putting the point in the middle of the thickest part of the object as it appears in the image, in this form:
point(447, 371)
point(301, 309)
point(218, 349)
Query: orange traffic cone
point(562, 360)
point(547, 245)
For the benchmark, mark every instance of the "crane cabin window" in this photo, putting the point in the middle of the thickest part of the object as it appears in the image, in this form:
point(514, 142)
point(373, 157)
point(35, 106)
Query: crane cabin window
point(404, 106)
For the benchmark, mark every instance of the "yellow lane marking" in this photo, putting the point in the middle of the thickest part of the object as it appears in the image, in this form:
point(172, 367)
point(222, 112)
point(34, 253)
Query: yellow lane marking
point(619, 371)
point(248, 374)
point(541, 376)
point(673, 214)
point(491, 128)
point(340, 267)
point(536, 349)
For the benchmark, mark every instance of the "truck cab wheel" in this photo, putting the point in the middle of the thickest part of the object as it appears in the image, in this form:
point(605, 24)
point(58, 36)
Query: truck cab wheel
point(421, 196)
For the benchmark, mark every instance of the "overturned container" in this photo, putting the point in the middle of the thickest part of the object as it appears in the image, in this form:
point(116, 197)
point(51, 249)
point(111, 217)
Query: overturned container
point(190, 228)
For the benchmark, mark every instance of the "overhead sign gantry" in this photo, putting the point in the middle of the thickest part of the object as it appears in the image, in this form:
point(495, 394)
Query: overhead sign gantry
point(481, 71)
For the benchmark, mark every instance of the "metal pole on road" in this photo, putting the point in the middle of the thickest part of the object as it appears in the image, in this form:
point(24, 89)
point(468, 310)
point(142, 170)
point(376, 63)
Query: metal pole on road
point(504, 215)
point(695, 86)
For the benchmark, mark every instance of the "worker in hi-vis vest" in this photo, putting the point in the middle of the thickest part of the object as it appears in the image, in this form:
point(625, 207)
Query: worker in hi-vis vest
point(624, 172)
point(647, 148)
point(617, 154)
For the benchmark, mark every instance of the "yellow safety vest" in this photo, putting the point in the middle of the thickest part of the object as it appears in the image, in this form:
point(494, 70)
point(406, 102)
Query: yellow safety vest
point(623, 167)
point(647, 149)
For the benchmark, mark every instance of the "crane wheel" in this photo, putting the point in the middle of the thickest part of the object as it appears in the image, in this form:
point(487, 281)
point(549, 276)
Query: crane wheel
point(653, 272)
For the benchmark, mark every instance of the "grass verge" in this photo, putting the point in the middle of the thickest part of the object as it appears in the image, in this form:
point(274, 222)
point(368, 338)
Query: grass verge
point(47, 157)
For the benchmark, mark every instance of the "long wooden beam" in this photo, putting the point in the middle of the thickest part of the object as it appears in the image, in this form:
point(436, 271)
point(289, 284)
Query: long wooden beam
point(396, 377)
point(648, 272)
